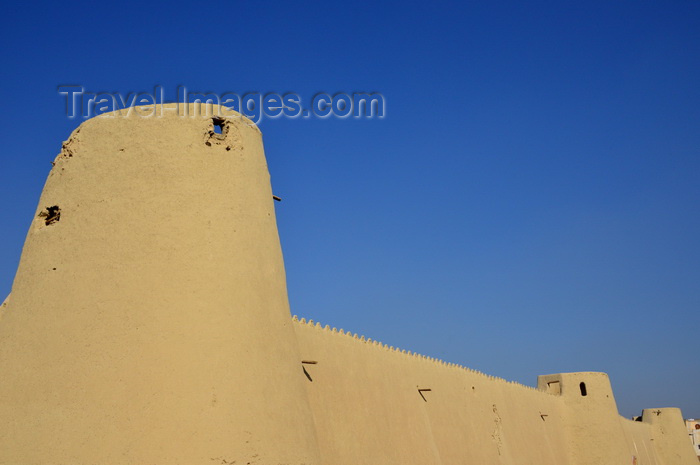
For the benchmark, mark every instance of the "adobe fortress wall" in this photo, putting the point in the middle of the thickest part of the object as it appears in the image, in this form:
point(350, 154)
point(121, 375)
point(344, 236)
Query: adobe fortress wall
point(148, 324)
point(396, 407)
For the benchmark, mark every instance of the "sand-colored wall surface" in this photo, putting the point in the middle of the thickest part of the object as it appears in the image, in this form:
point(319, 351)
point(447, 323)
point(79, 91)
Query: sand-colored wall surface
point(376, 404)
point(368, 408)
point(640, 442)
point(669, 435)
point(148, 324)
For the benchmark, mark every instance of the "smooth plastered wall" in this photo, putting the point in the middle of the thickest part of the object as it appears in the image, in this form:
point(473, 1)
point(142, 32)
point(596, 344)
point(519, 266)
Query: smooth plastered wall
point(377, 404)
point(149, 324)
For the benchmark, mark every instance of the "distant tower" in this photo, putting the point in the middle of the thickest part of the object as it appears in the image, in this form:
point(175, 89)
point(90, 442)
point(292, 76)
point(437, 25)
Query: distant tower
point(593, 424)
point(148, 321)
point(670, 434)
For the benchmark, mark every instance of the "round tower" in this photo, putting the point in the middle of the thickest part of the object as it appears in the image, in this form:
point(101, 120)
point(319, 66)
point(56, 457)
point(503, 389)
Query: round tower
point(148, 321)
point(591, 420)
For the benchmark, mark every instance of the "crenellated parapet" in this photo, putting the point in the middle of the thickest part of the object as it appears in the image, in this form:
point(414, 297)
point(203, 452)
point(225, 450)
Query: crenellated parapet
point(403, 352)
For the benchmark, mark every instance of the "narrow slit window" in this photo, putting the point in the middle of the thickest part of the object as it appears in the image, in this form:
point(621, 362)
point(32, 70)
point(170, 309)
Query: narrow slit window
point(582, 386)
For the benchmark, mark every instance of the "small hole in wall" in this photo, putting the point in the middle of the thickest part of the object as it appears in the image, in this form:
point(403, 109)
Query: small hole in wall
point(51, 215)
point(218, 125)
point(582, 386)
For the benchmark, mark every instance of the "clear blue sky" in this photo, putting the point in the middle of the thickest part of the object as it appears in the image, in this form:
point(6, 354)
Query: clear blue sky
point(529, 205)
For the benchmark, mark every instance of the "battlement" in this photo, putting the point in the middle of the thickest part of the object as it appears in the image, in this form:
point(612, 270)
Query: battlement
point(408, 353)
